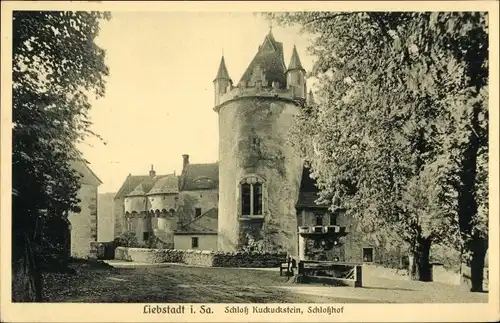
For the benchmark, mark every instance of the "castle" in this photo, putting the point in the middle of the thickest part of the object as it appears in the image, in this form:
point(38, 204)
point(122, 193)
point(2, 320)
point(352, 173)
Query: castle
point(258, 191)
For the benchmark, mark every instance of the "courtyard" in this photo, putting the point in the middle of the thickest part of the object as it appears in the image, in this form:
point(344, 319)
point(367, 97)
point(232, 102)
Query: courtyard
point(96, 282)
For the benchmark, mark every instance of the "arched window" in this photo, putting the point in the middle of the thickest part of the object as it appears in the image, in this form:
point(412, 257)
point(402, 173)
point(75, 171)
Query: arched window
point(252, 196)
point(257, 199)
point(246, 198)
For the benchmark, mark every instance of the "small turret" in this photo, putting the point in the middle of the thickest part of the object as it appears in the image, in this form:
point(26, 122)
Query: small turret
point(222, 81)
point(152, 172)
point(296, 76)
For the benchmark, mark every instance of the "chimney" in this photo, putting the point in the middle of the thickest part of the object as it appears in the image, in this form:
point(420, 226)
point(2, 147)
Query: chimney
point(185, 162)
point(152, 173)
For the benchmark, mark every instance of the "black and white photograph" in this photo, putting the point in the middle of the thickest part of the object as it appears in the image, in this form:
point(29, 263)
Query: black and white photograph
point(245, 164)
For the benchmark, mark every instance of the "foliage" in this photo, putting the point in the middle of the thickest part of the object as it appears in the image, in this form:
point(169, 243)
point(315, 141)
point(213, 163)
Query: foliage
point(399, 133)
point(253, 245)
point(56, 65)
point(266, 238)
point(127, 239)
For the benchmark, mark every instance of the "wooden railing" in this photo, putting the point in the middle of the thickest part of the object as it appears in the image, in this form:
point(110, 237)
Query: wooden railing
point(329, 271)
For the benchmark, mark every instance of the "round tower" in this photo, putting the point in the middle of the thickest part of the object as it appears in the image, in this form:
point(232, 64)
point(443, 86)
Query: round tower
point(136, 210)
point(259, 172)
point(163, 205)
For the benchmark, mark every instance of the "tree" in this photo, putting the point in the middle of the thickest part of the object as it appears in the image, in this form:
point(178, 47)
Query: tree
point(56, 66)
point(384, 137)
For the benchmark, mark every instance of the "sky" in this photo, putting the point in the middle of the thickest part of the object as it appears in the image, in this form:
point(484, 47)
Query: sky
point(159, 94)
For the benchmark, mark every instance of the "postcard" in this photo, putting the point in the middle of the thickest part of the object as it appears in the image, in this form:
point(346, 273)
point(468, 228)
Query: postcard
point(249, 161)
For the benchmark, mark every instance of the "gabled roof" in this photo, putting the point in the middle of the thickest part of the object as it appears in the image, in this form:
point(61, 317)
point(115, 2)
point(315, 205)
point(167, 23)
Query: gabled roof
point(309, 192)
point(143, 188)
point(168, 184)
point(222, 72)
point(130, 183)
point(271, 60)
point(295, 61)
point(207, 222)
point(88, 176)
point(201, 176)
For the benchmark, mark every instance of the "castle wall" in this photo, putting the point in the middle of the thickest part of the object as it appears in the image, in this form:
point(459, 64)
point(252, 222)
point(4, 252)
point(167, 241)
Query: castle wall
point(136, 204)
point(119, 219)
point(252, 140)
point(163, 228)
point(163, 202)
point(204, 199)
point(143, 224)
point(357, 240)
point(106, 219)
point(205, 241)
point(84, 224)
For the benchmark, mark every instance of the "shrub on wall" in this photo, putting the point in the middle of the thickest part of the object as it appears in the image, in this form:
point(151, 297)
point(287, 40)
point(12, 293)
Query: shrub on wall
point(127, 239)
point(102, 250)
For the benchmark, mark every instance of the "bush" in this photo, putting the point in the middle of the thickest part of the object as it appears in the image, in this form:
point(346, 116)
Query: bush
point(252, 245)
point(127, 239)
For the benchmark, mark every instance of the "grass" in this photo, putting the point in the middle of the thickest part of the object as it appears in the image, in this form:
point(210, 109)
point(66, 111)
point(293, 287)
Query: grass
point(98, 282)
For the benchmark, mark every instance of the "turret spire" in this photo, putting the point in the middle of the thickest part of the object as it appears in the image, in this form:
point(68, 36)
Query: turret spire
point(152, 172)
point(222, 72)
point(295, 60)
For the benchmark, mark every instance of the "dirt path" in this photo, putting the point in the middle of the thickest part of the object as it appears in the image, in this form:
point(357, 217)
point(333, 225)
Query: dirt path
point(171, 284)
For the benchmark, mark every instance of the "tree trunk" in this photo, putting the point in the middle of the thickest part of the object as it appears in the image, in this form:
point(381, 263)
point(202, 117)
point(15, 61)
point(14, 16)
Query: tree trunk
point(420, 268)
point(478, 248)
point(26, 274)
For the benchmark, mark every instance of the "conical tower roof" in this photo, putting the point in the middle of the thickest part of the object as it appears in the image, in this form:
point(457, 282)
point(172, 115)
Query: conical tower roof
point(269, 57)
point(222, 72)
point(295, 61)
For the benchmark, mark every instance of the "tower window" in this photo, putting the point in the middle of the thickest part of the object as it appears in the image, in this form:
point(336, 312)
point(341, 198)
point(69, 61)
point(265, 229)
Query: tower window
point(257, 198)
point(194, 242)
point(246, 198)
point(255, 143)
point(252, 196)
point(197, 212)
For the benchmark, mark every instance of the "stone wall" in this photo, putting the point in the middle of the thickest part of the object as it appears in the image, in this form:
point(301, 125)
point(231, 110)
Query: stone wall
point(205, 241)
point(356, 240)
point(248, 259)
point(203, 199)
point(84, 224)
point(119, 219)
point(102, 250)
point(201, 257)
point(105, 220)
